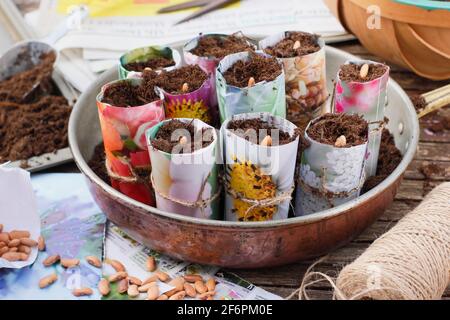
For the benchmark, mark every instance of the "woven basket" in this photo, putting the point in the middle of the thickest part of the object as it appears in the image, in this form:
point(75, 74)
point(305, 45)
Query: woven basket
point(410, 36)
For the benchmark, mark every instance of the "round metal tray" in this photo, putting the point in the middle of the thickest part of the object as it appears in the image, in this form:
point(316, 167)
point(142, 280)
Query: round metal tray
point(244, 244)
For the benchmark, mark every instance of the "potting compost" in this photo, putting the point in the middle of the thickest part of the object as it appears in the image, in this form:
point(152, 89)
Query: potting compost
point(33, 115)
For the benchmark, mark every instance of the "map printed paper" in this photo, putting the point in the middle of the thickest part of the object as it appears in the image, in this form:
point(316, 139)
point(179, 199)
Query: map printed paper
point(133, 255)
point(73, 226)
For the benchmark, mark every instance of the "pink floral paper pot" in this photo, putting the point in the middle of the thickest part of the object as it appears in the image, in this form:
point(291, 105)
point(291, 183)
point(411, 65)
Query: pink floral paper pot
point(199, 104)
point(186, 183)
point(254, 172)
point(328, 175)
point(367, 99)
point(306, 85)
point(208, 64)
point(123, 131)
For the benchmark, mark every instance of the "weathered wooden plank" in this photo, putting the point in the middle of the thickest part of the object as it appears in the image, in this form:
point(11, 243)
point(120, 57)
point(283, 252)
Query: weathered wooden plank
point(414, 170)
point(415, 189)
point(433, 151)
point(397, 210)
point(427, 135)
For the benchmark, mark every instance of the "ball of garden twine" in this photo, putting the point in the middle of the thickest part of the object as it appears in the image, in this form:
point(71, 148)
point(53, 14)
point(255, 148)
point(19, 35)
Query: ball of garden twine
point(410, 261)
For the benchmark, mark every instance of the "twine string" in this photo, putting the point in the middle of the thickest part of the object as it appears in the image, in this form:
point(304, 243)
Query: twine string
point(199, 203)
point(134, 178)
point(410, 261)
point(260, 203)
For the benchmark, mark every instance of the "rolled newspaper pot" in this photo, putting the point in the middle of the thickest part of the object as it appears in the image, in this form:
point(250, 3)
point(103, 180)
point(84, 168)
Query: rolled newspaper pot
point(303, 57)
point(189, 93)
point(124, 119)
point(332, 162)
point(250, 82)
point(206, 50)
point(260, 153)
point(133, 63)
point(361, 89)
point(185, 171)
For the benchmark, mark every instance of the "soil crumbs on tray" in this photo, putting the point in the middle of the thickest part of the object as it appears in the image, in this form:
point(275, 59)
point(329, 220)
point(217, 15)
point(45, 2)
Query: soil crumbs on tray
point(331, 126)
point(418, 102)
point(219, 47)
point(33, 115)
point(177, 137)
point(388, 159)
point(153, 63)
point(258, 67)
point(173, 81)
point(255, 130)
point(97, 163)
point(31, 130)
point(28, 86)
point(351, 72)
point(286, 47)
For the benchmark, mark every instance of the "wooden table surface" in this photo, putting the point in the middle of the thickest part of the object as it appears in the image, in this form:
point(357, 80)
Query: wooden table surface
point(433, 148)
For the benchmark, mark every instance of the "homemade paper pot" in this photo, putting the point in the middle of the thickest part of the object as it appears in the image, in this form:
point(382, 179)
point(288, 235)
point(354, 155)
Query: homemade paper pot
point(306, 85)
point(144, 54)
point(123, 131)
point(367, 99)
point(259, 180)
point(329, 176)
point(262, 97)
point(208, 64)
point(199, 104)
point(186, 183)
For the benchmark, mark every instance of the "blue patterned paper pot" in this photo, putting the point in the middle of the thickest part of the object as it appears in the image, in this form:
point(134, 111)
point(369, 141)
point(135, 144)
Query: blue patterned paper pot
point(303, 57)
point(367, 97)
point(244, 95)
point(259, 154)
point(132, 63)
point(331, 173)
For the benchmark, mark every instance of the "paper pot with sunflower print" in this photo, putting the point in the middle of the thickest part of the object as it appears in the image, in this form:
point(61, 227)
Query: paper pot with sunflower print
point(123, 131)
point(328, 175)
point(259, 177)
point(198, 104)
point(186, 183)
point(305, 73)
point(263, 96)
point(366, 98)
point(132, 63)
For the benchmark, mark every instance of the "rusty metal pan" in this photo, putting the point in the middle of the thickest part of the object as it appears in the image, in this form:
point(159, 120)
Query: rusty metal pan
point(249, 244)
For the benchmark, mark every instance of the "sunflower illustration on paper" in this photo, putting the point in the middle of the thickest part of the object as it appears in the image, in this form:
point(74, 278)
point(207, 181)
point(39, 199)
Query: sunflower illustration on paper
point(188, 109)
point(198, 104)
point(247, 180)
